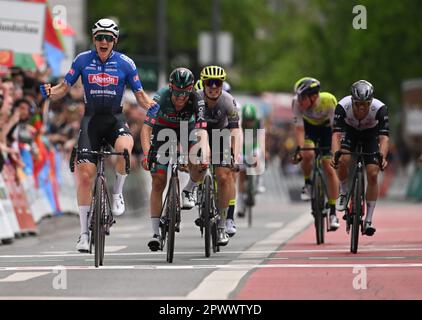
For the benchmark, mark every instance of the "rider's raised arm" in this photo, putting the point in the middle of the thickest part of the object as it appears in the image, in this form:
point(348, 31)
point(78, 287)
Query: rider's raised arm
point(132, 78)
point(144, 100)
point(59, 91)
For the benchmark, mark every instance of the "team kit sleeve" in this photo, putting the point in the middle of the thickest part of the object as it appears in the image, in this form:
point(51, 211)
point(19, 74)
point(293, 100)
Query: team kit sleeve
point(132, 75)
point(233, 115)
point(339, 124)
point(383, 121)
point(333, 104)
point(75, 71)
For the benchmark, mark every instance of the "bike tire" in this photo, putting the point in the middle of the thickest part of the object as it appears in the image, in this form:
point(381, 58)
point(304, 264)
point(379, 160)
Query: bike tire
point(172, 216)
point(358, 202)
point(318, 207)
point(99, 216)
point(207, 214)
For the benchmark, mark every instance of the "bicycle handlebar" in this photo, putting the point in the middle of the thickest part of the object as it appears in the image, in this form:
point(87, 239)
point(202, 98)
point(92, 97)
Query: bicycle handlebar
point(75, 152)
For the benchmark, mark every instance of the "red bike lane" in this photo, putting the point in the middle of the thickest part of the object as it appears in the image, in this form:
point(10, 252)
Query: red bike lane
point(388, 265)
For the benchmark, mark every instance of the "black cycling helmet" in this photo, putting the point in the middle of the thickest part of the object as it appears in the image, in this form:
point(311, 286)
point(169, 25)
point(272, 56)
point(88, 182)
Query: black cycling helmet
point(362, 91)
point(182, 78)
point(307, 86)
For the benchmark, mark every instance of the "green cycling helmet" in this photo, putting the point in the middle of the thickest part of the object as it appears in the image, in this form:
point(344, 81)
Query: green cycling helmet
point(249, 112)
point(182, 78)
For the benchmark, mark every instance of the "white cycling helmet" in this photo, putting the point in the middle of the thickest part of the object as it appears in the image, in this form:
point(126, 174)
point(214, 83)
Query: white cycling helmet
point(105, 25)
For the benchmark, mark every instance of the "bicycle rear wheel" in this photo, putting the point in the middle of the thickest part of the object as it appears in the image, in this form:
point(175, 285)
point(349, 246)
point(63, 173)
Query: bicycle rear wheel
point(99, 218)
point(358, 202)
point(207, 214)
point(172, 216)
point(318, 205)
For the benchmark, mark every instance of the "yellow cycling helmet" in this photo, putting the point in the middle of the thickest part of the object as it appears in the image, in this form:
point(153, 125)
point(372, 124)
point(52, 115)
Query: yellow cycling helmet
point(213, 72)
point(199, 85)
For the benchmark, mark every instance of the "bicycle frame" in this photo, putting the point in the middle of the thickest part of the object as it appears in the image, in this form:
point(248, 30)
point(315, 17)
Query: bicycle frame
point(319, 194)
point(208, 210)
point(355, 198)
point(100, 217)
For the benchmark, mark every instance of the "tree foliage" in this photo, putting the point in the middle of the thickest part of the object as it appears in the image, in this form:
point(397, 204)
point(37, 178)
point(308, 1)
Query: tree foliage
point(278, 41)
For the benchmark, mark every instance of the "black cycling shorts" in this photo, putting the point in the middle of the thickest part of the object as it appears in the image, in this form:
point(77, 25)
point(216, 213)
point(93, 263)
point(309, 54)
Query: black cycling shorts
point(321, 134)
point(94, 128)
point(368, 138)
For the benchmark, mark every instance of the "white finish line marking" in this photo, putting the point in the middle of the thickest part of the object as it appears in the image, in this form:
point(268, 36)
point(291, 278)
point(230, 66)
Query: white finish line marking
point(23, 276)
point(64, 254)
point(243, 267)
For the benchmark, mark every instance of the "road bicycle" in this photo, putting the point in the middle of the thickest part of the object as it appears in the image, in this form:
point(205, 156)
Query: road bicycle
point(355, 198)
point(100, 217)
point(319, 193)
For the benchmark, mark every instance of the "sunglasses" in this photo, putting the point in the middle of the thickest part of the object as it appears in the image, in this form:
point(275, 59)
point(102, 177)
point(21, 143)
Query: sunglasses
point(213, 82)
point(180, 92)
point(101, 37)
point(364, 104)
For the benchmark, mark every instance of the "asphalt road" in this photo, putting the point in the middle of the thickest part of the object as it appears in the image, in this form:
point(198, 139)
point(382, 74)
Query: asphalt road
point(48, 266)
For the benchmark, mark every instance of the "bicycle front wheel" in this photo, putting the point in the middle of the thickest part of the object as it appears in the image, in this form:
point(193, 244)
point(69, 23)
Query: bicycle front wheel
point(318, 207)
point(99, 218)
point(358, 202)
point(171, 219)
point(207, 214)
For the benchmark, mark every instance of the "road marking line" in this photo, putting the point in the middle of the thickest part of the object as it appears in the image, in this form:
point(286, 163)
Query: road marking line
point(274, 225)
point(65, 254)
point(23, 276)
point(109, 249)
point(220, 283)
point(223, 267)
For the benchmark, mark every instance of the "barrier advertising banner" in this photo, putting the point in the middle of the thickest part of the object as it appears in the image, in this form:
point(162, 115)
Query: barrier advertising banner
point(22, 26)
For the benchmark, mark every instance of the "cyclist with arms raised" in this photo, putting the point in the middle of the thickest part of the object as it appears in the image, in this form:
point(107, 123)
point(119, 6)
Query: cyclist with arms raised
point(104, 74)
point(361, 118)
point(313, 117)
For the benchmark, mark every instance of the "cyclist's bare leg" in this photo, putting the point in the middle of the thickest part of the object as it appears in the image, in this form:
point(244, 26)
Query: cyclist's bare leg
point(85, 176)
point(343, 172)
point(232, 196)
point(332, 180)
point(159, 182)
point(232, 202)
point(225, 185)
point(306, 163)
point(122, 143)
point(372, 171)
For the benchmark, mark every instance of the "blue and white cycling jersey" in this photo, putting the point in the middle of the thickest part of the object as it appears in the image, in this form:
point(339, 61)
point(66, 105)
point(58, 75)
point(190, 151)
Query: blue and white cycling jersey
point(104, 83)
